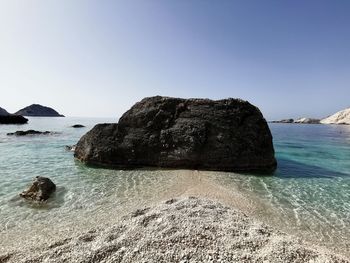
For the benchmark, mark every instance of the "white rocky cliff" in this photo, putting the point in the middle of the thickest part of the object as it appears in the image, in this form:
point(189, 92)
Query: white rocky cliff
point(341, 117)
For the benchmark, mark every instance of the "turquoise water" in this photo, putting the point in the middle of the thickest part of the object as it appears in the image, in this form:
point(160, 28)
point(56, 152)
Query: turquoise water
point(309, 195)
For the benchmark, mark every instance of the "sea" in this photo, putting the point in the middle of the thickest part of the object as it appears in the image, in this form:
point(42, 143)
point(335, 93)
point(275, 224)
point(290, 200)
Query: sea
point(308, 196)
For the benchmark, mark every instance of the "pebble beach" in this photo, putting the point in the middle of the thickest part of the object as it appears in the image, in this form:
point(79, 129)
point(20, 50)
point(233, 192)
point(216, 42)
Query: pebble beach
point(188, 229)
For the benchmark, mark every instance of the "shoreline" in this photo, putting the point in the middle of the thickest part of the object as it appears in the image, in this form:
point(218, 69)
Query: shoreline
point(185, 229)
point(194, 184)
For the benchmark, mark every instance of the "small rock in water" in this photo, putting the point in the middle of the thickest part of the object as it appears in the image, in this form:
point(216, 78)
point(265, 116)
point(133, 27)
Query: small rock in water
point(29, 132)
point(40, 190)
point(78, 126)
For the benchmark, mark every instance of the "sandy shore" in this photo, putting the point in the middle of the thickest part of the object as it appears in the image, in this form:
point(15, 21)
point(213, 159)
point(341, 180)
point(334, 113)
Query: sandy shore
point(179, 230)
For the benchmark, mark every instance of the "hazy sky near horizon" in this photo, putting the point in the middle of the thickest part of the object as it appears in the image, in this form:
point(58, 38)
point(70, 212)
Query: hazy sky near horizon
point(97, 58)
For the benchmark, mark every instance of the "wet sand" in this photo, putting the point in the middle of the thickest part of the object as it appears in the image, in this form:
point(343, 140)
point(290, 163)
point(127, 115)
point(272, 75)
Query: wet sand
point(196, 221)
point(179, 230)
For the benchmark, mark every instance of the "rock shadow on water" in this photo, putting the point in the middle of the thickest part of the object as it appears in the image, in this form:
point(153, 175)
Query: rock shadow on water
point(292, 169)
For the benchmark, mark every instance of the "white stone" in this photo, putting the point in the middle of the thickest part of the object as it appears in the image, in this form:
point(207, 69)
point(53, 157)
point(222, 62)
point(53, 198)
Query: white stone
point(341, 117)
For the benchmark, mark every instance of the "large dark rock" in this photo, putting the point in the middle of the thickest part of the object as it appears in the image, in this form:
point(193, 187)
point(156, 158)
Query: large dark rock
point(227, 135)
point(36, 110)
point(40, 190)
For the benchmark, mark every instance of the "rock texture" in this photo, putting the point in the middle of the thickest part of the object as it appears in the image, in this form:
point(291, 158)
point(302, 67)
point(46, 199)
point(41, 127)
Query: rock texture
point(341, 117)
point(29, 132)
point(36, 110)
point(307, 121)
point(228, 135)
point(185, 230)
point(40, 190)
point(70, 148)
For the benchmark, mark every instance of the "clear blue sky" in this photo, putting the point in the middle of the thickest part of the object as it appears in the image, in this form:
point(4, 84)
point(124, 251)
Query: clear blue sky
point(97, 58)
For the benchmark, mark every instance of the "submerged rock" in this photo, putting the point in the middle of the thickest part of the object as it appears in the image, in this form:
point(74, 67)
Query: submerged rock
point(227, 135)
point(78, 126)
point(40, 190)
point(29, 132)
point(36, 110)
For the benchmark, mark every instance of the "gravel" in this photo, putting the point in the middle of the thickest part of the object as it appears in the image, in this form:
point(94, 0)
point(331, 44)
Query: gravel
point(179, 230)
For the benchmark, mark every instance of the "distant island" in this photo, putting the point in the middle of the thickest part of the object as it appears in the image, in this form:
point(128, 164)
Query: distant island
point(300, 121)
point(340, 117)
point(7, 118)
point(37, 110)
point(3, 112)
point(34, 110)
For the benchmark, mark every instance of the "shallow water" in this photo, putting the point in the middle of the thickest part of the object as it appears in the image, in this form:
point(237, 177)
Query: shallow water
point(308, 196)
